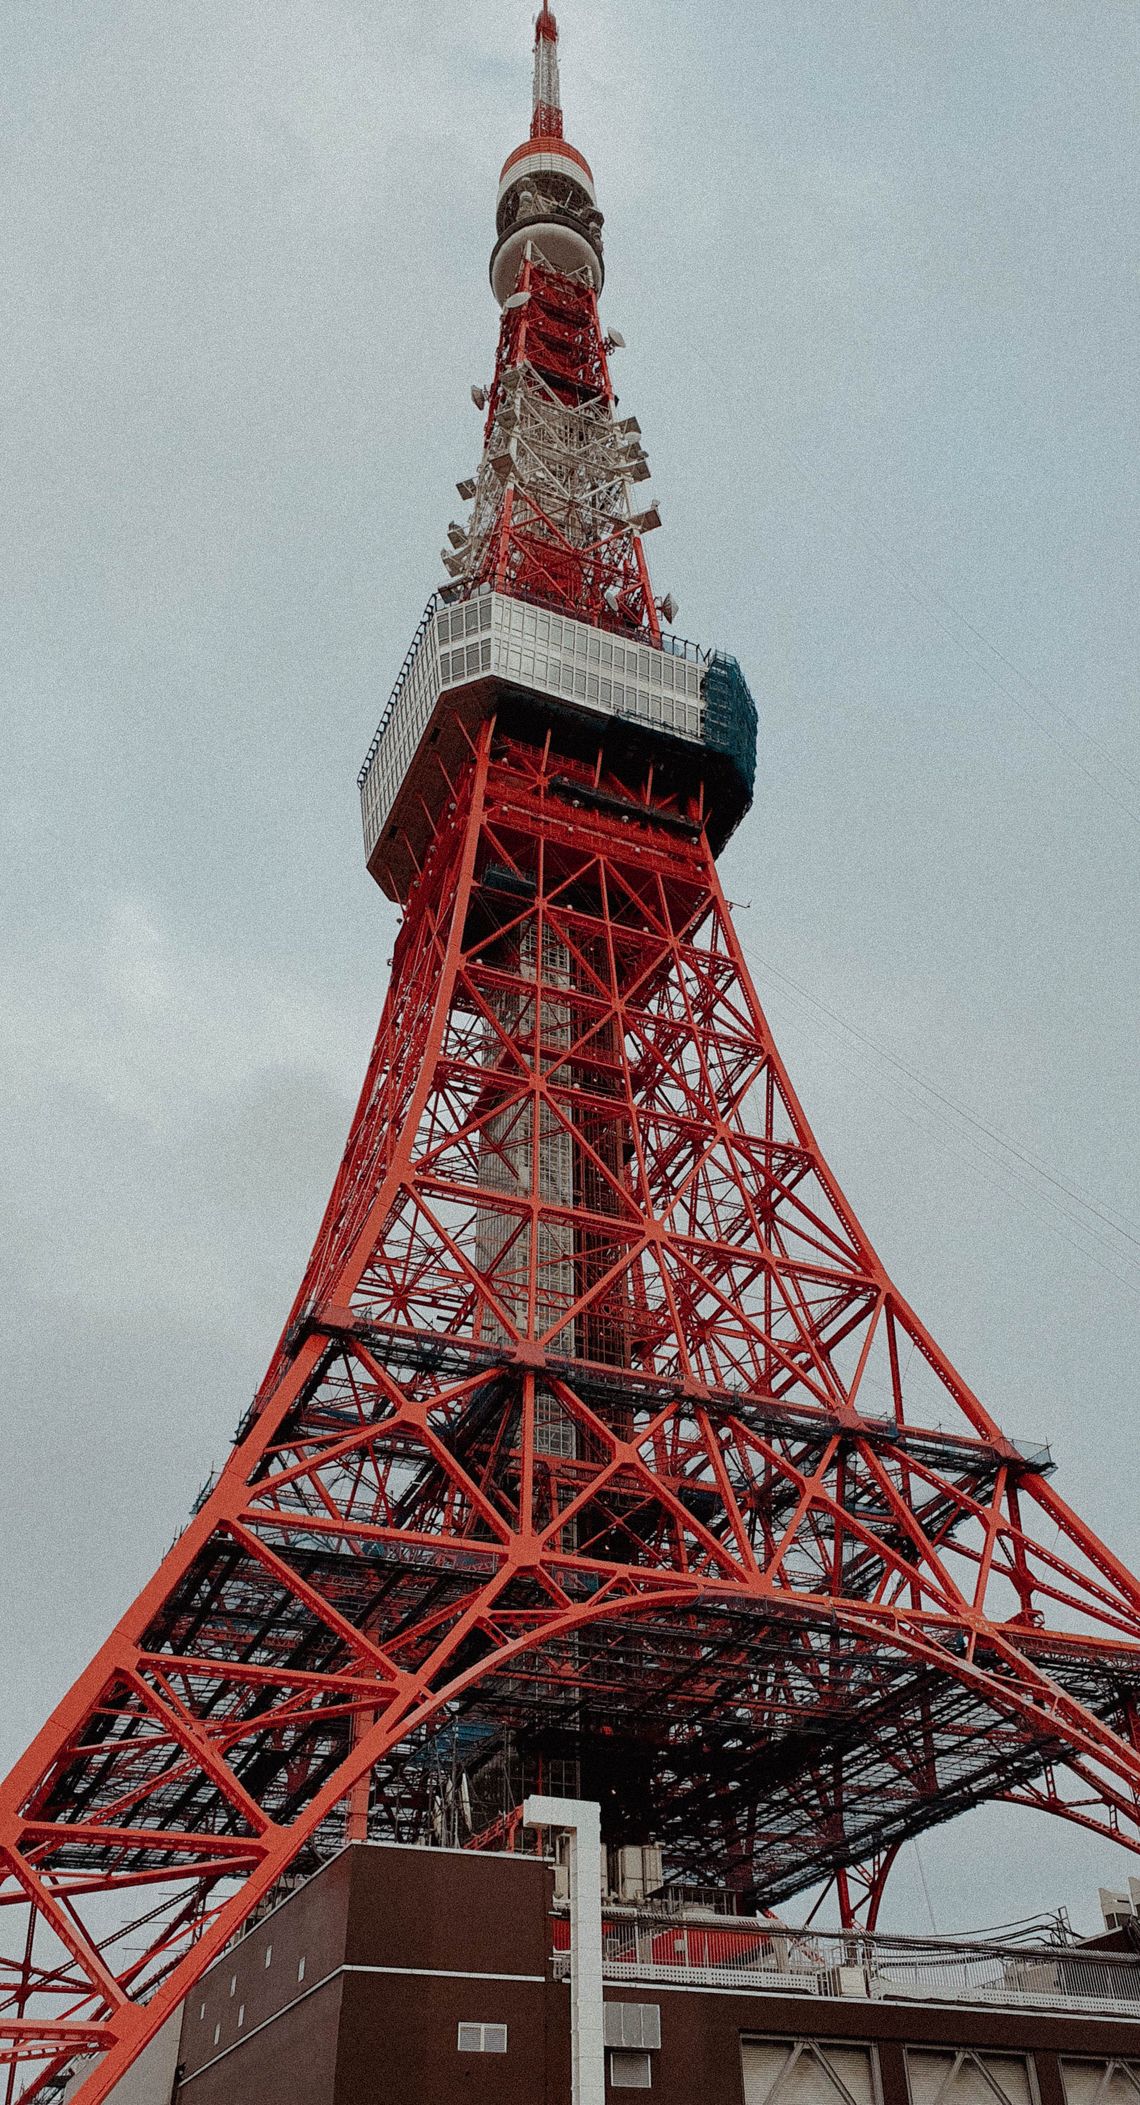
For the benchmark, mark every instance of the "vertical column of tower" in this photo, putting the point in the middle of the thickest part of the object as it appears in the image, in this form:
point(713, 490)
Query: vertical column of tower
point(553, 517)
point(606, 1335)
point(547, 120)
point(525, 1152)
point(551, 520)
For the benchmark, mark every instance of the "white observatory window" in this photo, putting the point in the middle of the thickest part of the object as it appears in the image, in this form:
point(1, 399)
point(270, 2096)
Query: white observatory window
point(482, 2039)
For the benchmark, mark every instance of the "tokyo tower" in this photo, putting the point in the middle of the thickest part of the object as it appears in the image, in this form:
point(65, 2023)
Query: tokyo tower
point(599, 1453)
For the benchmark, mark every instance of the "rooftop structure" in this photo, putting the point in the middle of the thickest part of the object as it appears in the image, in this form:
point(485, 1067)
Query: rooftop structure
point(420, 1976)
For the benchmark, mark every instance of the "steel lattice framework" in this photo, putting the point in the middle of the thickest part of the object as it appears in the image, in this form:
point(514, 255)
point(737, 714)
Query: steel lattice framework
point(552, 519)
point(599, 1442)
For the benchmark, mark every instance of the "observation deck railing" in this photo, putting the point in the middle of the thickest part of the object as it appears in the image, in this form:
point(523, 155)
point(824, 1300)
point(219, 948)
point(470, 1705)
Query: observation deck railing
point(674, 688)
point(650, 1945)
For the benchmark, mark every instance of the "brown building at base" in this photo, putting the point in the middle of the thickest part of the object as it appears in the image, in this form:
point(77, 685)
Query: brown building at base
point(410, 1976)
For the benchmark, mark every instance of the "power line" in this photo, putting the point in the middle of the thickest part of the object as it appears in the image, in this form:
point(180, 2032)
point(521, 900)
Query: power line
point(1009, 1147)
point(1025, 1194)
point(1020, 1189)
point(925, 1887)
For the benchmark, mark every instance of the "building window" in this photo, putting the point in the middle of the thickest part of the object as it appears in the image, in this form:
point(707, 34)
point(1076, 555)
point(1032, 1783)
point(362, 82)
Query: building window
point(1101, 2082)
point(202, 2013)
point(630, 2069)
point(482, 2039)
point(268, 1957)
point(808, 2071)
point(632, 2025)
point(301, 1967)
point(217, 2032)
point(241, 2015)
point(233, 1984)
point(963, 2078)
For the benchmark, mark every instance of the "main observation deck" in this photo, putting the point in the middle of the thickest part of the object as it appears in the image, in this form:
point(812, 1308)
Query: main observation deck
point(471, 657)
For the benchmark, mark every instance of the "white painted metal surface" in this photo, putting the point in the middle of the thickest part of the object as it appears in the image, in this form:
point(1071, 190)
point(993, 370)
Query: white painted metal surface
point(547, 159)
point(553, 241)
point(491, 635)
point(581, 1821)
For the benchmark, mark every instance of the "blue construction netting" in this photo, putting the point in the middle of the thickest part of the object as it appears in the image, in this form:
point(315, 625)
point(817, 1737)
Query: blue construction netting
point(730, 717)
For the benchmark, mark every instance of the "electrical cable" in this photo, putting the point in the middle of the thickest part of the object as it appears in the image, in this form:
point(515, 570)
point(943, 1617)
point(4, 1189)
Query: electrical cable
point(1020, 1190)
point(925, 1887)
point(1009, 1147)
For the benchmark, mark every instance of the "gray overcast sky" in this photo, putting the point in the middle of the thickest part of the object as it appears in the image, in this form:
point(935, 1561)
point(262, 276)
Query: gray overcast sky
point(876, 264)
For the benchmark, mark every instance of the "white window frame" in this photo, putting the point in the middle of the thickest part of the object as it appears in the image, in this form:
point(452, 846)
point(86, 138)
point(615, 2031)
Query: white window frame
point(627, 2067)
point(473, 2038)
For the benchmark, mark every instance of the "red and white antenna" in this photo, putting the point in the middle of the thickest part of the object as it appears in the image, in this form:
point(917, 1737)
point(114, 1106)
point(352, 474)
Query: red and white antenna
point(547, 120)
point(557, 513)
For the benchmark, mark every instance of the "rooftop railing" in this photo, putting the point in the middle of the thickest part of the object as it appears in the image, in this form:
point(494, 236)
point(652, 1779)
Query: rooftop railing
point(410, 656)
point(672, 690)
point(648, 1945)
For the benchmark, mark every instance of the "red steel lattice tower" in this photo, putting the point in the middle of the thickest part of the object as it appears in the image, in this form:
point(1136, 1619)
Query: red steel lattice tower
point(599, 1452)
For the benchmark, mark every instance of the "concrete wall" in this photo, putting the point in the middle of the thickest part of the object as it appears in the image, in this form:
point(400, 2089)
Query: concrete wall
point(401, 1946)
point(151, 2080)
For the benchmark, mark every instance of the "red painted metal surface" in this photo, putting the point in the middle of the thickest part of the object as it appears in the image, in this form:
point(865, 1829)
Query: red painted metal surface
point(598, 1415)
point(600, 575)
point(563, 534)
point(547, 120)
point(539, 142)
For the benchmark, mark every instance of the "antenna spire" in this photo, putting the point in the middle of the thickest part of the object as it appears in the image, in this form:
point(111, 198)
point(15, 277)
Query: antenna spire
point(547, 120)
